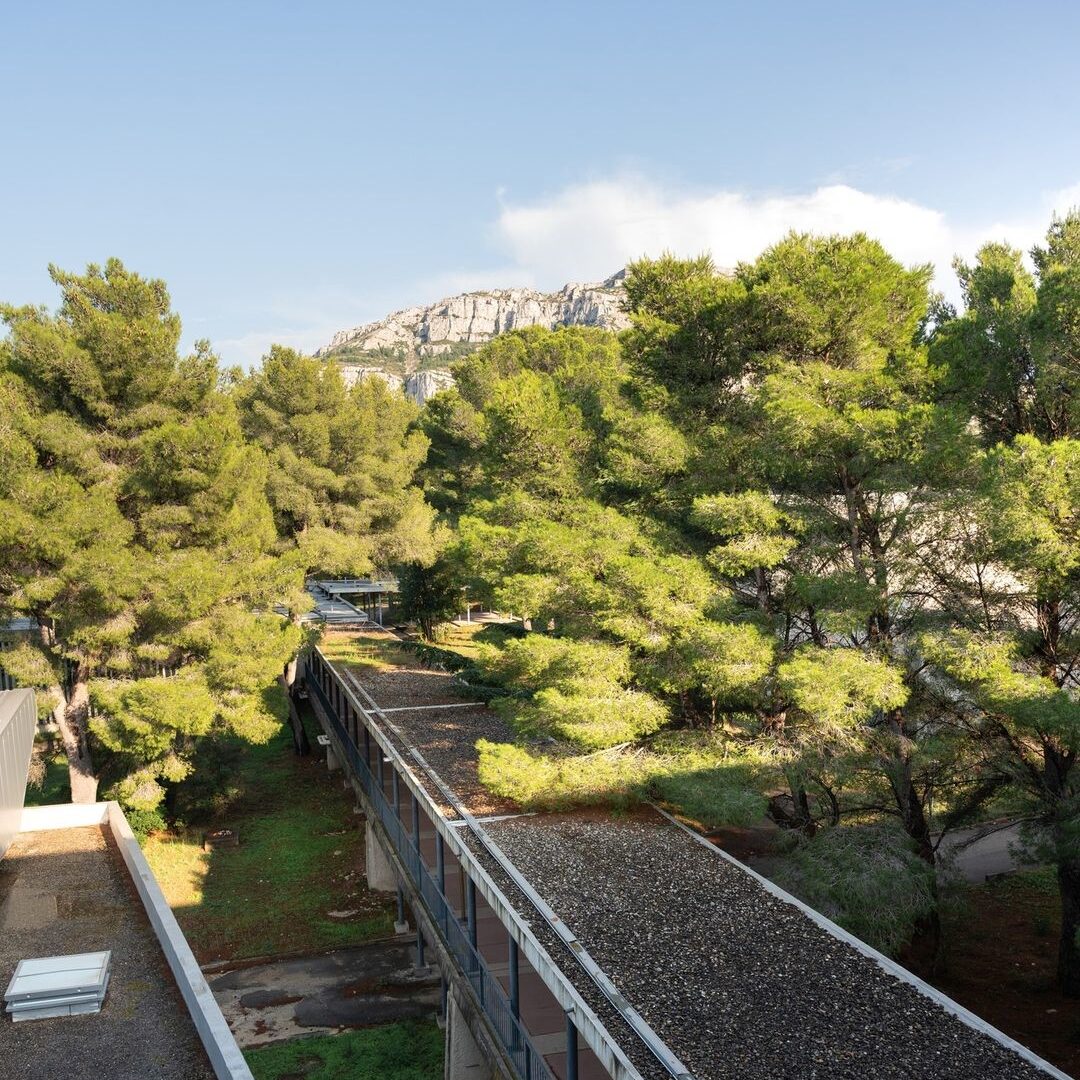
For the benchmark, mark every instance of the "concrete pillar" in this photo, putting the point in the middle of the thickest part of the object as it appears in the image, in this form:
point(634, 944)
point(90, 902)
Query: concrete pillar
point(401, 923)
point(380, 874)
point(332, 763)
point(464, 1061)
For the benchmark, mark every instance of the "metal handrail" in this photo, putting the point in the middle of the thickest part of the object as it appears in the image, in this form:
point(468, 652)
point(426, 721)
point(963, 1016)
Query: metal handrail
point(592, 1029)
point(496, 1005)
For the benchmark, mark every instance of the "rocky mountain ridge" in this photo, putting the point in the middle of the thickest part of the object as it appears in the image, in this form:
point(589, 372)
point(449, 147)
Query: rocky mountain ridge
point(411, 348)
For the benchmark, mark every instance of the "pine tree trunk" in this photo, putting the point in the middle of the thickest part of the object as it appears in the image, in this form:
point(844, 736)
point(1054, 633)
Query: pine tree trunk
point(1068, 970)
point(289, 683)
point(292, 665)
point(72, 717)
point(928, 943)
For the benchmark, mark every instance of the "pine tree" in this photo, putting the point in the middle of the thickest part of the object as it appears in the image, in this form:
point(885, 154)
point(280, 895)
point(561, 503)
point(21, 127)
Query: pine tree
point(137, 535)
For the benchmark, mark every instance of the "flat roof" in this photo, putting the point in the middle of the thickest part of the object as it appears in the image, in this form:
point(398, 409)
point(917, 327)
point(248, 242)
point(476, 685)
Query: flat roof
point(68, 891)
point(737, 978)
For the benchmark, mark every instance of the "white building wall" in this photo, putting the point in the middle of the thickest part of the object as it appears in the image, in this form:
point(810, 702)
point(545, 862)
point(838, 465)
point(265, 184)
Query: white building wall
point(18, 718)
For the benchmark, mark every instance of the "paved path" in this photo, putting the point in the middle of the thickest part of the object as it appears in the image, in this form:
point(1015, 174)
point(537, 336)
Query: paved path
point(348, 988)
point(980, 854)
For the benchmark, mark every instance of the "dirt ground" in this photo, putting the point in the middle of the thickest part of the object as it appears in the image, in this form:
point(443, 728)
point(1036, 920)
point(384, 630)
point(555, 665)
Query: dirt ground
point(363, 986)
point(1001, 952)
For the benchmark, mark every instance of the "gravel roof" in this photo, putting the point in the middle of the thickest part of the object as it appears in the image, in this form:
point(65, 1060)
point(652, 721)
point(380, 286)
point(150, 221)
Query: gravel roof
point(67, 891)
point(619, 1029)
point(739, 983)
point(446, 737)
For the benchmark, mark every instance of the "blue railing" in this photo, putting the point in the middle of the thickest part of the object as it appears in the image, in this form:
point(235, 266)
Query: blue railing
point(457, 937)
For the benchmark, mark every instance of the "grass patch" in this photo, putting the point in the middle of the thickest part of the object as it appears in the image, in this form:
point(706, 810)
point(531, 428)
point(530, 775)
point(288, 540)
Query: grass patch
point(468, 639)
point(57, 784)
point(364, 651)
point(408, 1051)
point(1038, 883)
point(300, 857)
point(462, 638)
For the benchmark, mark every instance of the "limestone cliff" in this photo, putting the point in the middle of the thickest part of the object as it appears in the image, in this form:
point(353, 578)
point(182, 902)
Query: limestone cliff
point(476, 317)
point(409, 348)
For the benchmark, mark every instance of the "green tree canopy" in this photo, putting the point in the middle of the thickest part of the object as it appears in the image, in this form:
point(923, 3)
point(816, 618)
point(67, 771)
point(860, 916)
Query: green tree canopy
point(136, 533)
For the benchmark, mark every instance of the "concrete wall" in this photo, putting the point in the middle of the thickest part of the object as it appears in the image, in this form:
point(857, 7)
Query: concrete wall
point(18, 718)
point(217, 1039)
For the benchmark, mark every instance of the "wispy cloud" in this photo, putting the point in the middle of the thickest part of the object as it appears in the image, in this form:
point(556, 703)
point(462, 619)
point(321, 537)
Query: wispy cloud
point(247, 349)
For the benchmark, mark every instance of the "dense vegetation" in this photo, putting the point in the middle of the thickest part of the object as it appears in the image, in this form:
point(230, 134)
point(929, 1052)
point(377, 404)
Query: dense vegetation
point(156, 509)
point(800, 542)
point(803, 540)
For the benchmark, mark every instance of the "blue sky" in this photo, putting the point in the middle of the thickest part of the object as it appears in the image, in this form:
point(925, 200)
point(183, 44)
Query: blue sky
point(291, 169)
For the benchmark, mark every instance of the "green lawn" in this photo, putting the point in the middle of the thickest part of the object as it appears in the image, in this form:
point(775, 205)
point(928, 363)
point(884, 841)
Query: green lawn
point(464, 638)
point(57, 785)
point(300, 858)
point(409, 1051)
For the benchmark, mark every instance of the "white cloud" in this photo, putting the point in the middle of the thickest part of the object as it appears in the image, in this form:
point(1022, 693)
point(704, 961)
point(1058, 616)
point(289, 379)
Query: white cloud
point(588, 230)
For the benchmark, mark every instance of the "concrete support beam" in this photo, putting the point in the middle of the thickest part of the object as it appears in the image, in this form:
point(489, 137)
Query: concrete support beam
point(380, 873)
point(464, 1059)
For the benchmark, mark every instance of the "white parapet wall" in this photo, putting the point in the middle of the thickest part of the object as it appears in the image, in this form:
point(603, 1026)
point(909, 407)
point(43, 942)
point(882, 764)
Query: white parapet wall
point(221, 1048)
point(18, 717)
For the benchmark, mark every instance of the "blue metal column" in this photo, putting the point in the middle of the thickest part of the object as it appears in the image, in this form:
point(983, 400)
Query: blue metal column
point(416, 834)
point(440, 873)
point(571, 1049)
point(470, 909)
point(515, 990)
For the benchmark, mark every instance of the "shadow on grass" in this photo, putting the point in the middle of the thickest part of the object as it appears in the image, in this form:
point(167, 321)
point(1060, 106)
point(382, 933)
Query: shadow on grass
point(407, 1051)
point(56, 787)
point(295, 883)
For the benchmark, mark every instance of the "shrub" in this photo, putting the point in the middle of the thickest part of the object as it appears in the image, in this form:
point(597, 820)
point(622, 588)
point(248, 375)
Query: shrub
point(867, 878)
point(145, 822)
point(588, 720)
point(558, 782)
point(710, 778)
point(433, 657)
point(538, 661)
